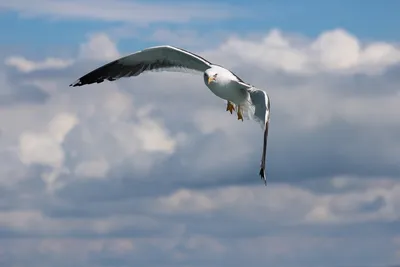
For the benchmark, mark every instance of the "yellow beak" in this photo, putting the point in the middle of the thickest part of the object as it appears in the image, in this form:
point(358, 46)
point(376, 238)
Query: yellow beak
point(210, 79)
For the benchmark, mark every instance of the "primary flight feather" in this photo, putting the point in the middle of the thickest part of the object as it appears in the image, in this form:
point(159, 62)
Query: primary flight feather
point(240, 96)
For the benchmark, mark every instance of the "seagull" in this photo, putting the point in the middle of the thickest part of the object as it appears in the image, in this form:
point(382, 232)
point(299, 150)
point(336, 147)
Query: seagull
point(240, 96)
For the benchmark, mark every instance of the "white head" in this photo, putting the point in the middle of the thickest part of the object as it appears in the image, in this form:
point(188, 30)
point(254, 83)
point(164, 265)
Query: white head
point(219, 75)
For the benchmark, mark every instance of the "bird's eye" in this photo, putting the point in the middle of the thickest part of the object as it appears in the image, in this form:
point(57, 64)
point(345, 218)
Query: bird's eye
point(215, 75)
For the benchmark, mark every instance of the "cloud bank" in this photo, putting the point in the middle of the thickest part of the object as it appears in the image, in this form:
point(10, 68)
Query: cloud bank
point(153, 171)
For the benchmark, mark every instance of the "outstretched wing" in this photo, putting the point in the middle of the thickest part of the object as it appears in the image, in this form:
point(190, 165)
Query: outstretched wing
point(259, 107)
point(156, 58)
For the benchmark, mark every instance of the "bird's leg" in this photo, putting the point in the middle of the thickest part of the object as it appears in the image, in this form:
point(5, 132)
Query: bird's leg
point(230, 107)
point(239, 114)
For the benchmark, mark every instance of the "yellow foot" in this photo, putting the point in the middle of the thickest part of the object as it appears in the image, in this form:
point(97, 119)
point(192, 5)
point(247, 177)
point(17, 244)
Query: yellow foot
point(230, 107)
point(239, 114)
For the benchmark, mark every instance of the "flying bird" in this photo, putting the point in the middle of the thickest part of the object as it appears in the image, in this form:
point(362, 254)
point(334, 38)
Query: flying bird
point(240, 96)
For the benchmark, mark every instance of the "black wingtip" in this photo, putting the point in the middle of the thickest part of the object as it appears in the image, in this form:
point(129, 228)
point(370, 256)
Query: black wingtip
point(263, 177)
point(76, 83)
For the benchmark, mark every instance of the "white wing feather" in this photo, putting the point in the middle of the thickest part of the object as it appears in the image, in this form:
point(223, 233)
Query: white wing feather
point(260, 105)
point(157, 58)
point(257, 108)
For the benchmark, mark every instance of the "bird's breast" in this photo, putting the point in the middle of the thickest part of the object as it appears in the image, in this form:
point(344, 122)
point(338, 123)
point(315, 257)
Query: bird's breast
point(227, 91)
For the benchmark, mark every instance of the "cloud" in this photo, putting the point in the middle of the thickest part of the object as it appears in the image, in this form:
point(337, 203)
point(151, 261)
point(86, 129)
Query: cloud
point(153, 169)
point(99, 47)
point(46, 148)
point(24, 65)
point(44, 141)
point(290, 205)
point(93, 168)
point(121, 11)
point(188, 38)
point(334, 51)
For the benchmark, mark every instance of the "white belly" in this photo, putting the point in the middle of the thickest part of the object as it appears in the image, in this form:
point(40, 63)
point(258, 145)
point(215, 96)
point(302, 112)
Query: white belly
point(228, 92)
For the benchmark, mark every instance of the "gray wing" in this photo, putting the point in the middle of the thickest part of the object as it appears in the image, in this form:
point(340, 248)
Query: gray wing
point(262, 107)
point(262, 104)
point(157, 58)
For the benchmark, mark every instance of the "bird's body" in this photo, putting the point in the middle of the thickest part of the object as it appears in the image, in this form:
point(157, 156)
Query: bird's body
point(245, 98)
point(225, 86)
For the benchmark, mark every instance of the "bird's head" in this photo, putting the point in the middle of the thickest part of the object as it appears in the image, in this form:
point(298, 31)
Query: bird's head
point(219, 75)
point(210, 76)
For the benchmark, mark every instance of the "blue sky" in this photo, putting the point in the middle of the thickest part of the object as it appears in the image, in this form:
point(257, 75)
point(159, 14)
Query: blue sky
point(368, 19)
point(153, 171)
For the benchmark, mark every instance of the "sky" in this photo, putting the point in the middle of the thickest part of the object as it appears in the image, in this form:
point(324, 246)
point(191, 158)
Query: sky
point(152, 170)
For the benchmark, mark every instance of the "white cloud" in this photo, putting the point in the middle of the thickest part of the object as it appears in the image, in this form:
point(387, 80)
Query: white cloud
point(333, 51)
point(289, 205)
point(35, 221)
point(111, 116)
point(99, 47)
point(45, 147)
point(186, 200)
point(24, 65)
point(250, 201)
point(153, 137)
point(314, 103)
point(190, 39)
point(337, 50)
